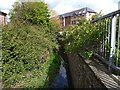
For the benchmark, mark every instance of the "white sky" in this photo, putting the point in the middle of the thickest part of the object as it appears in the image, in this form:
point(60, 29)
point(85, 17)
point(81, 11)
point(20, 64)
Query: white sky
point(63, 6)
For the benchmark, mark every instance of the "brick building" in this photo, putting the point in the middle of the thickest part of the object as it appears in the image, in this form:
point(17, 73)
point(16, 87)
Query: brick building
point(2, 18)
point(71, 18)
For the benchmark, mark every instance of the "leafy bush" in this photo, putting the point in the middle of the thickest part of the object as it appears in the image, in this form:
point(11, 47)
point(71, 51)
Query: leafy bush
point(28, 42)
point(25, 49)
point(82, 37)
point(86, 37)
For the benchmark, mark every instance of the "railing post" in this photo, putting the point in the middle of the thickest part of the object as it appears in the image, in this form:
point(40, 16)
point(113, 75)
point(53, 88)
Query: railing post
point(108, 28)
point(118, 39)
point(106, 37)
point(112, 41)
point(118, 46)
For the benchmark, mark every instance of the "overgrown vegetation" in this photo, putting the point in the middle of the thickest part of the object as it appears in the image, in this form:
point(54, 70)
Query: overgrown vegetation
point(81, 37)
point(86, 37)
point(28, 42)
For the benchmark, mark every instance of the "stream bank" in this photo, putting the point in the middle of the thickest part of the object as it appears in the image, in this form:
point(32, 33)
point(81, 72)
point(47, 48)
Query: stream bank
point(61, 79)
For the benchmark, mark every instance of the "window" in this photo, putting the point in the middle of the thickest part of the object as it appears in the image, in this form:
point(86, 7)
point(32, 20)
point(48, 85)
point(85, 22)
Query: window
point(62, 24)
point(80, 12)
point(83, 15)
point(74, 17)
point(83, 11)
point(74, 22)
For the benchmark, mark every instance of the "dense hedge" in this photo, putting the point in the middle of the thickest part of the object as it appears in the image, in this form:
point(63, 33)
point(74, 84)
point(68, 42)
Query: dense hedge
point(27, 47)
point(25, 50)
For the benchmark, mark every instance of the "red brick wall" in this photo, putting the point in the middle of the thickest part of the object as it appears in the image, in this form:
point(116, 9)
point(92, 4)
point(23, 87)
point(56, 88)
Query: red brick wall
point(2, 20)
point(67, 21)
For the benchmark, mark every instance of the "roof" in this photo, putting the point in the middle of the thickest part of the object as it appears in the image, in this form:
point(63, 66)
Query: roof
point(2, 13)
point(78, 12)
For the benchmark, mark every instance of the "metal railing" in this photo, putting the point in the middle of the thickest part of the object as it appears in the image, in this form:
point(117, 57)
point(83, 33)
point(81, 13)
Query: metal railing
point(110, 45)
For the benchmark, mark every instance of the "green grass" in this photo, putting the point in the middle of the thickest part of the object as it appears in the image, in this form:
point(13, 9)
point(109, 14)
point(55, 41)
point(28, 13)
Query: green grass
point(53, 69)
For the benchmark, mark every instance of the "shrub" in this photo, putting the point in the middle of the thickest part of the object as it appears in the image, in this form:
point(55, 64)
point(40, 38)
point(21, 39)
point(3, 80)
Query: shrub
point(25, 49)
point(83, 36)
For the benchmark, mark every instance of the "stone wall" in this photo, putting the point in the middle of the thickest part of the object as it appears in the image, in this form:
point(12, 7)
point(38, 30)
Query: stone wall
point(81, 74)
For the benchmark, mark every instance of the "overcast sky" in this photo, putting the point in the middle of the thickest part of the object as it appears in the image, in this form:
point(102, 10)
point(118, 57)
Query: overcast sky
point(63, 6)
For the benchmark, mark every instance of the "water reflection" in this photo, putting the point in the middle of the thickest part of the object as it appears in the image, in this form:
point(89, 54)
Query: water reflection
point(60, 80)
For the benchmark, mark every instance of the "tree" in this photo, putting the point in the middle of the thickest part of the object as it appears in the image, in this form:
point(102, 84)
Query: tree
point(97, 15)
point(30, 12)
point(54, 18)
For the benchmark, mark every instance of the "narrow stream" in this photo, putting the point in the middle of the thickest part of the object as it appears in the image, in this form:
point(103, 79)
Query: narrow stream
point(61, 79)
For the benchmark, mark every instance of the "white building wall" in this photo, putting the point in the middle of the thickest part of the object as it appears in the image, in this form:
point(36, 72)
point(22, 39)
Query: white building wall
point(89, 15)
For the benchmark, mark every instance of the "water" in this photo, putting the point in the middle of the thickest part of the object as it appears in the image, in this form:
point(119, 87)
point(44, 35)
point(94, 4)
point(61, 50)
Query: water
point(60, 80)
